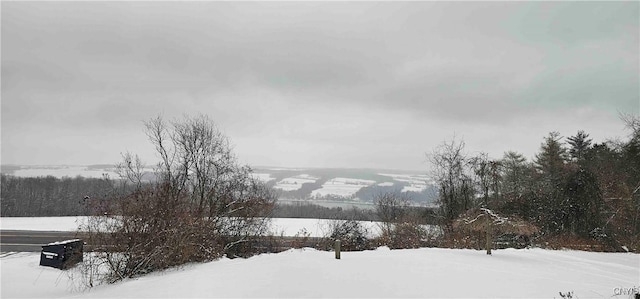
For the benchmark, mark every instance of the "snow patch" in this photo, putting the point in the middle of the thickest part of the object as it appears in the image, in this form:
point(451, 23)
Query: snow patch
point(416, 183)
point(63, 171)
point(263, 177)
point(295, 183)
point(344, 187)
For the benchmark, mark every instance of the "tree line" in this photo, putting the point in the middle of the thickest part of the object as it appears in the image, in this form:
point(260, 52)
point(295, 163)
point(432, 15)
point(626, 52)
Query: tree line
point(50, 196)
point(572, 188)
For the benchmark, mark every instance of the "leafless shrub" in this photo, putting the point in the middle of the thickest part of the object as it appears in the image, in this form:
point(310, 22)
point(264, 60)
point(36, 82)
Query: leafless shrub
point(203, 206)
point(400, 226)
point(301, 238)
point(353, 235)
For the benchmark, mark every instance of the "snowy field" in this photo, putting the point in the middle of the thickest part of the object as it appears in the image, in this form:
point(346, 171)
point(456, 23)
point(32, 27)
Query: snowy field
point(263, 177)
point(279, 226)
point(63, 171)
point(417, 183)
point(381, 273)
point(344, 187)
point(295, 183)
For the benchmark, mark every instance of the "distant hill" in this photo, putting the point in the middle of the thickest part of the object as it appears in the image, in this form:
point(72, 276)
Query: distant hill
point(347, 184)
point(312, 184)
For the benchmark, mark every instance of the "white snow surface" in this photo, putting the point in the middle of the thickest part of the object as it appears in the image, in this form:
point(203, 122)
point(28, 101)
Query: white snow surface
point(307, 273)
point(263, 177)
point(295, 183)
point(288, 227)
point(279, 226)
point(417, 183)
point(63, 171)
point(313, 227)
point(344, 187)
point(62, 224)
point(381, 273)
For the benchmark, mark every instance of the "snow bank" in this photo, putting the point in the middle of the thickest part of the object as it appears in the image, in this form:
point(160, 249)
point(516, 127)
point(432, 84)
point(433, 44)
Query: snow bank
point(382, 273)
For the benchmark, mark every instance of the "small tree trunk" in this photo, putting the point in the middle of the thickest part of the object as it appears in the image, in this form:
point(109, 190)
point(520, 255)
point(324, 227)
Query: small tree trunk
point(336, 248)
point(489, 237)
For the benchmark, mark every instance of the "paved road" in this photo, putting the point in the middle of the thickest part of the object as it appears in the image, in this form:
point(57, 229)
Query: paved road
point(30, 241)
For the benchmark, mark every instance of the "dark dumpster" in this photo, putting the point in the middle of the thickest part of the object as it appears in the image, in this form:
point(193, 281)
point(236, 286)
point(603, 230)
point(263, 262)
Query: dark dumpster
point(62, 255)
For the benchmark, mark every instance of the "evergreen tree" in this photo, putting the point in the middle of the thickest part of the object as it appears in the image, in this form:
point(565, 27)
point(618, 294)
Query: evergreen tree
point(552, 157)
point(580, 144)
point(550, 164)
point(514, 171)
point(581, 209)
point(517, 185)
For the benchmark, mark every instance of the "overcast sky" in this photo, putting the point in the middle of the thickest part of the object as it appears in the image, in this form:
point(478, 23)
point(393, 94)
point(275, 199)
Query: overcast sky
point(315, 84)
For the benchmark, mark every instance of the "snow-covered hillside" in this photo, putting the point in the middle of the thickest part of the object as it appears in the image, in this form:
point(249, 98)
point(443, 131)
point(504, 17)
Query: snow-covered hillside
point(416, 183)
point(336, 184)
point(344, 187)
point(61, 171)
point(295, 183)
point(264, 177)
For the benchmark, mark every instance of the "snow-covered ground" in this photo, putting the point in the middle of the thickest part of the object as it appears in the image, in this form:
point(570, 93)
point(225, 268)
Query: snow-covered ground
point(279, 226)
point(62, 224)
point(313, 227)
point(417, 183)
point(264, 177)
point(381, 273)
point(344, 187)
point(295, 183)
point(63, 171)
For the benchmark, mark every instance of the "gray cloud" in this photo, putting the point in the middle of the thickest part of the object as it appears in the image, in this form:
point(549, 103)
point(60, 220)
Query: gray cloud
point(312, 72)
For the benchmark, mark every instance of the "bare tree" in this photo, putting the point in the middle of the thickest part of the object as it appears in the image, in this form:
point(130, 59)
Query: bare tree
point(202, 205)
point(131, 169)
point(631, 152)
point(482, 169)
point(450, 170)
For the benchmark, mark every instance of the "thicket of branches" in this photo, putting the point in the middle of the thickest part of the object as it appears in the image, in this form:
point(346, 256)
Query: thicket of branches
point(572, 189)
point(401, 225)
point(203, 205)
point(353, 236)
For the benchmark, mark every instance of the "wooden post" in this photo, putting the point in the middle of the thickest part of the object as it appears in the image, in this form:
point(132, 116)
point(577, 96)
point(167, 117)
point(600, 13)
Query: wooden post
point(489, 238)
point(336, 248)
